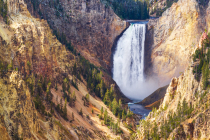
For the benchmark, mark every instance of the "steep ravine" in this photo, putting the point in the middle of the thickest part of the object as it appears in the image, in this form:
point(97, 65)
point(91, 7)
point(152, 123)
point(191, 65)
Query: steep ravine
point(29, 45)
point(30, 54)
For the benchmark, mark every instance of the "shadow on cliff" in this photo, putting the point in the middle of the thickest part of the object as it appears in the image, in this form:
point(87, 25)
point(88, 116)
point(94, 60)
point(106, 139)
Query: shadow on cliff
point(114, 46)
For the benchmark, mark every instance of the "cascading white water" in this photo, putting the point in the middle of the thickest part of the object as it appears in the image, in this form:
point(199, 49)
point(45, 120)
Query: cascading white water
point(128, 60)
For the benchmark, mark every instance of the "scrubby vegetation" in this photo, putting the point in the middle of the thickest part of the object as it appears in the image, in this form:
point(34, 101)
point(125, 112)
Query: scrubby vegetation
point(97, 86)
point(159, 11)
point(185, 110)
point(3, 11)
point(109, 122)
point(201, 60)
point(41, 86)
point(62, 38)
point(167, 126)
point(53, 4)
point(86, 99)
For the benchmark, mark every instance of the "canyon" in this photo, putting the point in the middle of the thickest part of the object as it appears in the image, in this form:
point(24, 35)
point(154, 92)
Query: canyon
point(93, 27)
point(31, 54)
point(36, 61)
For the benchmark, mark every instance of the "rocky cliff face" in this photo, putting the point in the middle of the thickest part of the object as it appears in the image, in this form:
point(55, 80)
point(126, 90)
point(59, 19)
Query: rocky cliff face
point(186, 87)
point(19, 118)
point(29, 50)
point(17, 109)
point(27, 42)
point(90, 26)
point(30, 40)
point(171, 38)
point(184, 111)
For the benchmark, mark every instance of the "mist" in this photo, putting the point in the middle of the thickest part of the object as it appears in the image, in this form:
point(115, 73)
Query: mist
point(128, 65)
point(141, 89)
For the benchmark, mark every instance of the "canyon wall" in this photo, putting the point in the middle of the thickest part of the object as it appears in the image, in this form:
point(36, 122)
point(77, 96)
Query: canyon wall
point(171, 38)
point(184, 111)
point(28, 46)
point(29, 52)
point(187, 89)
point(17, 109)
point(90, 26)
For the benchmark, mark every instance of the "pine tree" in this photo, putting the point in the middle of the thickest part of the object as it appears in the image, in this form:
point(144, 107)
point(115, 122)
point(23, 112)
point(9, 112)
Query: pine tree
point(106, 97)
point(29, 66)
point(56, 87)
point(65, 109)
point(10, 66)
point(102, 88)
point(102, 110)
point(80, 112)
point(205, 74)
point(61, 105)
point(114, 106)
point(87, 97)
point(154, 134)
point(74, 69)
point(123, 114)
point(72, 116)
point(69, 90)
point(48, 91)
point(51, 123)
point(97, 90)
point(74, 96)
point(64, 84)
point(105, 116)
point(120, 103)
point(44, 84)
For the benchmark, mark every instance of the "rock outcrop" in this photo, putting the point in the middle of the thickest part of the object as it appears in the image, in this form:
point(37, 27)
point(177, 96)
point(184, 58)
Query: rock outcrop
point(29, 54)
point(184, 111)
point(28, 46)
point(17, 108)
point(187, 88)
point(171, 38)
point(90, 26)
point(19, 117)
point(155, 96)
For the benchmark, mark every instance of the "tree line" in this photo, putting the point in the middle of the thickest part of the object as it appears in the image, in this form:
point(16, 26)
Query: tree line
point(160, 11)
point(129, 9)
point(4, 10)
point(202, 56)
point(174, 119)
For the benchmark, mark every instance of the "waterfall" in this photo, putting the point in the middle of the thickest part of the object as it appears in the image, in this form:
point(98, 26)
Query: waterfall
point(128, 59)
